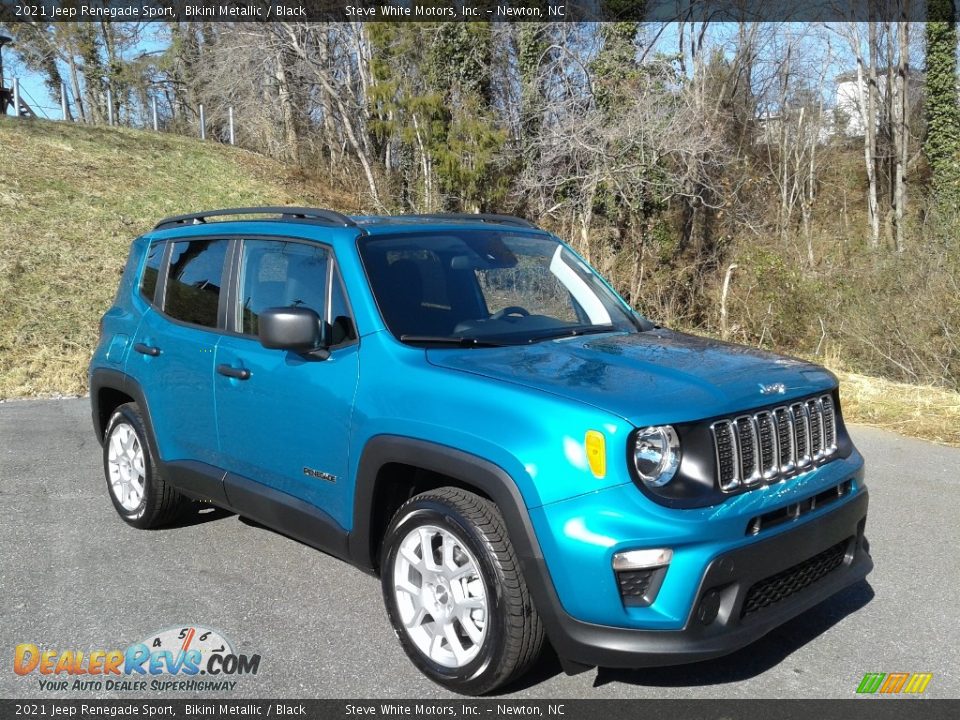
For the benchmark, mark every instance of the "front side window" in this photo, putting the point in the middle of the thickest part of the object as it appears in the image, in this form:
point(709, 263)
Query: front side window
point(194, 279)
point(275, 273)
point(489, 285)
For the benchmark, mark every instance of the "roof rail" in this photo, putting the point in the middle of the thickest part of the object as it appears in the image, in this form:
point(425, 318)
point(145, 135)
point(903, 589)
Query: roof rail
point(478, 217)
point(326, 217)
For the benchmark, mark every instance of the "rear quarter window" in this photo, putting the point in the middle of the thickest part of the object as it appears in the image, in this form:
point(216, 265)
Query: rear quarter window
point(151, 271)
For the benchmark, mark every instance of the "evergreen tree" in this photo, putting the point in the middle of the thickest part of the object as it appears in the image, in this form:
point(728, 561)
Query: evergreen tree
point(942, 146)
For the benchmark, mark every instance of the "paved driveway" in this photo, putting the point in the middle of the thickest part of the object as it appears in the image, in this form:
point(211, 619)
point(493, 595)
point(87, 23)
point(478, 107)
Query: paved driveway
point(75, 576)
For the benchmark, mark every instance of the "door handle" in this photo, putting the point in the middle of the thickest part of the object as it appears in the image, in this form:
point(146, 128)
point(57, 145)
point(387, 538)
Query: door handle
point(233, 372)
point(147, 349)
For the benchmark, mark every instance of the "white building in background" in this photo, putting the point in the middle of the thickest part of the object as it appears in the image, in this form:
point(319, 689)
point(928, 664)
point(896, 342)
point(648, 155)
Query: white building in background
point(848, 118)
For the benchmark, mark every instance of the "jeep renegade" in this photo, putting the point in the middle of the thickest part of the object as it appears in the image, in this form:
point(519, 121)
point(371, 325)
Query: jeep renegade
point(462, 406)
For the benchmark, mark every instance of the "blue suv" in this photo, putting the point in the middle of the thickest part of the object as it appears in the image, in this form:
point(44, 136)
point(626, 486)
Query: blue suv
point(462, 406)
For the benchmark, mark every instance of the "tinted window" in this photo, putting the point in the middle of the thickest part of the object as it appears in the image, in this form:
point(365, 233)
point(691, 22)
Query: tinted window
point(148, 282)
point(194, 281)
point(281, 274)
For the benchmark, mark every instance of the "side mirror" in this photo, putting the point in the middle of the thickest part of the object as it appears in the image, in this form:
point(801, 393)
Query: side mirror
point(292, 328)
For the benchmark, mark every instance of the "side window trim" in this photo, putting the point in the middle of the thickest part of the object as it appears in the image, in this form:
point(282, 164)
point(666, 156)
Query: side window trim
point(160, 293)
point(337, 276)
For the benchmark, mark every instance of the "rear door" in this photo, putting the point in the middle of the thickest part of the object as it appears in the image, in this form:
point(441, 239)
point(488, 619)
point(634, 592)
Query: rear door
point(284, 423)
point(175, 344)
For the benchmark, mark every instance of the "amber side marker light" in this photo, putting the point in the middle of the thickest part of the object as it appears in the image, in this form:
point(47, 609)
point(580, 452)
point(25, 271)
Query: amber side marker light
point(596, 446)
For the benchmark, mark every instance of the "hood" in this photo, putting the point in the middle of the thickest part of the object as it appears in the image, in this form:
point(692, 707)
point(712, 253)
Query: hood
point(653, 377)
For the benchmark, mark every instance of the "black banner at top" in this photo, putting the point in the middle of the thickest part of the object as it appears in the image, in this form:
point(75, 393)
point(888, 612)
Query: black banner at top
point(14, 11)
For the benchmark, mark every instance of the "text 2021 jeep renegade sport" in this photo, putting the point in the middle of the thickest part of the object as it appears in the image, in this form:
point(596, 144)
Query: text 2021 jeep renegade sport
point(460, 404)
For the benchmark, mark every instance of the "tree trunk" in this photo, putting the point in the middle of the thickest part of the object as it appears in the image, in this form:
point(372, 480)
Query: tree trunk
point(902, 131)
point(291, 135)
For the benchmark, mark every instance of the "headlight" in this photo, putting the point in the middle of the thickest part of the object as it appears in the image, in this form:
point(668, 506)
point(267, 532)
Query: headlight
point(656, 455)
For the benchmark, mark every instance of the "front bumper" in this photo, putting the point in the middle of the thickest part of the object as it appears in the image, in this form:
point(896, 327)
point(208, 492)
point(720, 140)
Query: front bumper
point(720, 598)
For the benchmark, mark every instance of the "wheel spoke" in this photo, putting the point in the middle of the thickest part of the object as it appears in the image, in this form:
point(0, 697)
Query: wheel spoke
point(448, 545)
point(436, 643)
point(419, 615)
point(453, 640)
point(116, 446)
point(466, 622)
point(404, 585)
point(426, 550)
point(136, 492)
point(134, 451)
point(463, 571)
point(410, 556)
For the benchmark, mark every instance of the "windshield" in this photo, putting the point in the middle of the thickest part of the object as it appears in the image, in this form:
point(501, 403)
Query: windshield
point(487, 287)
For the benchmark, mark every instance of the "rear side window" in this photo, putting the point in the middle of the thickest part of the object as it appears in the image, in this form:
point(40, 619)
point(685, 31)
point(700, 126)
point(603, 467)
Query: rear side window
point(151, 271)
point(194, 279)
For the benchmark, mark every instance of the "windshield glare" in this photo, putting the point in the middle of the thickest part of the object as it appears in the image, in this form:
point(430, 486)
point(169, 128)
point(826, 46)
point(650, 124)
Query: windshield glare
point(487, 285)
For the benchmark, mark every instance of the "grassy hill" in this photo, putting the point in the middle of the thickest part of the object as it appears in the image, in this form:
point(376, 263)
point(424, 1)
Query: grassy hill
point(71, 199)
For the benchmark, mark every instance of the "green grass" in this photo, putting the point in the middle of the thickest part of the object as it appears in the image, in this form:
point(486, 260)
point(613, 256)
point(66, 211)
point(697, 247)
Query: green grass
point(71, 199)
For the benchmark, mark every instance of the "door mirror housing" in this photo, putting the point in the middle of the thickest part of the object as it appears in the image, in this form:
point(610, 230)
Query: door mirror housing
point(297, 329)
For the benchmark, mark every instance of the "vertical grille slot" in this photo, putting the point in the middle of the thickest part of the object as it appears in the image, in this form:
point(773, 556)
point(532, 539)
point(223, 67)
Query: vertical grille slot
point(749, 450)
point(816, 428)
point(801, 431)
point(767, 439)
point(788, 449)
point(773, 444)
point(726, 448)
point(829, 424)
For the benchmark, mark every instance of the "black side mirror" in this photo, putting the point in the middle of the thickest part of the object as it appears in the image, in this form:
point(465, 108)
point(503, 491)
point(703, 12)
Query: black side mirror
point(292, 328)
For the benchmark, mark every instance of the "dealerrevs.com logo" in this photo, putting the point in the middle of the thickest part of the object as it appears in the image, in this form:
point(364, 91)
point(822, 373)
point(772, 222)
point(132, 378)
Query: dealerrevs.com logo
point(188, 659)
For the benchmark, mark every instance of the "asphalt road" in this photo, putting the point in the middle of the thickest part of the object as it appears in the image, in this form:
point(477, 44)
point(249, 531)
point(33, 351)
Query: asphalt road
point(73, 575)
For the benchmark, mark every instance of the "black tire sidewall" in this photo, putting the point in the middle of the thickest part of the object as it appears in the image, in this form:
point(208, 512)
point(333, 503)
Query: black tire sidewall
point(141, 515)
point(475, 677)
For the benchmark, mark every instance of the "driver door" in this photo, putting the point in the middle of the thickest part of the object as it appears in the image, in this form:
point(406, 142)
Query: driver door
point(284, 423)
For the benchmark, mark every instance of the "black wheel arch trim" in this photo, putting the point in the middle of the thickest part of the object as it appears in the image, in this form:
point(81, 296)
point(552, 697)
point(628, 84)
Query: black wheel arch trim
point(471, 471)
point(109, 379)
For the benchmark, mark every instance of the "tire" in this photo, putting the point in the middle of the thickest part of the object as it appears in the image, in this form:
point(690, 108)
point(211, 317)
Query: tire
point(471, 581)
point(138, 491)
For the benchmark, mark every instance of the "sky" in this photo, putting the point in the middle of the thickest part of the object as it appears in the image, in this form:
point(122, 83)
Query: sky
point(34, 90)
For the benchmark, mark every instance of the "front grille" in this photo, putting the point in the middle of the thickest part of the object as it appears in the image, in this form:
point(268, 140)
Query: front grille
point(779, 587)
point(773, 444)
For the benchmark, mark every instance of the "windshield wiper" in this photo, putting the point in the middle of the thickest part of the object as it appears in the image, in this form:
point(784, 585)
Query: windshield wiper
point(573, 332)
point(454, 341)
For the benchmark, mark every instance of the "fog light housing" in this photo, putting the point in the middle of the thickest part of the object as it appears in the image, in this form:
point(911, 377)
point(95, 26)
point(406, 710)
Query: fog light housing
point(640, 574)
